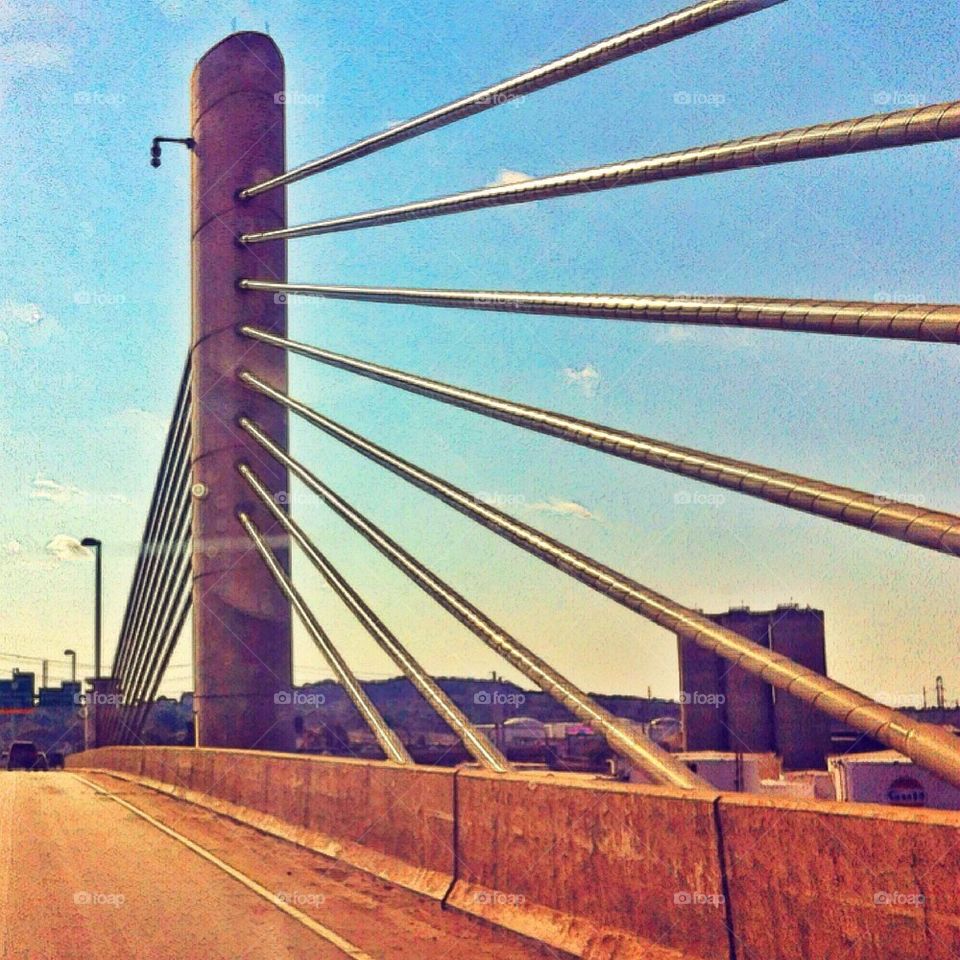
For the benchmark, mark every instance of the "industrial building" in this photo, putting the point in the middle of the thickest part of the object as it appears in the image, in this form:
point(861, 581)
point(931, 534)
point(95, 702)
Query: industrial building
point(725, 709)
point(17, 693)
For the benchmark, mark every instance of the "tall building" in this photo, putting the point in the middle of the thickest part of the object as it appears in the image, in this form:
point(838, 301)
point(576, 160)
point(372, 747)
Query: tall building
point(17, 692)
point(725, 708)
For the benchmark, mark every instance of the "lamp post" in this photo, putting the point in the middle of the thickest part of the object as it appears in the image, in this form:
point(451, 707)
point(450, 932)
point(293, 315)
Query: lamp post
point(72, 654)
point(96, 545)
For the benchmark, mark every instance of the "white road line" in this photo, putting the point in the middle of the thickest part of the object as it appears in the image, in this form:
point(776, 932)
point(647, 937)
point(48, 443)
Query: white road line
point(347, 948)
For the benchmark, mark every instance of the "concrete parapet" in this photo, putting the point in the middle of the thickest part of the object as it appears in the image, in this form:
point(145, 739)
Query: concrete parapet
point(597, 869)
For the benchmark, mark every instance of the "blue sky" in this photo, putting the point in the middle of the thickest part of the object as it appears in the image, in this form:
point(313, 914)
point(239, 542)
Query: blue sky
point(94, 319)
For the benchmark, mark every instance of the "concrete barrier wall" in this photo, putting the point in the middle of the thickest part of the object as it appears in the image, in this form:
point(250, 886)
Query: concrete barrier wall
point(840, 881)
point(595, 868)
point(604, 870)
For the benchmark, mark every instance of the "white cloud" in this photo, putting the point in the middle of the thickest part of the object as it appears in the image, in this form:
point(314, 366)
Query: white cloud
point(567, 508)
point(52, 490)
point(64, 547)
point(506, 177)
point(34, 55)
point(14, 314)
point(586, 378)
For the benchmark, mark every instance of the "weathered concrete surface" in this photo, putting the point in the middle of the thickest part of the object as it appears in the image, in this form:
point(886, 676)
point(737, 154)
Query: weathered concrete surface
point(83, 878)
point(241, 620)
point(595, 868)
point(836, 881)
point(394, 822)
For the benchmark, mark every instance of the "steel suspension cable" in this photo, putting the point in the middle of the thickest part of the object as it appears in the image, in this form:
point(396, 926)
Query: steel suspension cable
point(625, 741)
point(131, 714)
point(940, 121)
point(149, 525)
point(172, 454)
point(174, 552)
point(172, 477)
point(928, 745)
point(390, 743)
point(477, 745)
point(169, 642)
point(925, 322)
point(177, 509)
point(177, 561)
point(932, 529)
point(673, 26)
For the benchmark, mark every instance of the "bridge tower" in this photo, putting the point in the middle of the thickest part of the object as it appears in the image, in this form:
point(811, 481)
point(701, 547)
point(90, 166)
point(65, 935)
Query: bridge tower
point(241, 620)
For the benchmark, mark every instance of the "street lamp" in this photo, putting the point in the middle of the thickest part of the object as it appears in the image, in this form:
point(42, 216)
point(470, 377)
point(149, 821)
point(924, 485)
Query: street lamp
point(72, 654)
point(96, 545)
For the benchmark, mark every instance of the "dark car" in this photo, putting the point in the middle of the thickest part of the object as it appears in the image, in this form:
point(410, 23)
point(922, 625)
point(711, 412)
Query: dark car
point(55, 759)
point(23, 755)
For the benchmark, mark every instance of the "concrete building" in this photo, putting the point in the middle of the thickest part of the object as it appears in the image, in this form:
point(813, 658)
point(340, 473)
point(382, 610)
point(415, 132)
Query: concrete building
point(891, 778)
point(726, 709)
point(67, 695)
point(17, 692)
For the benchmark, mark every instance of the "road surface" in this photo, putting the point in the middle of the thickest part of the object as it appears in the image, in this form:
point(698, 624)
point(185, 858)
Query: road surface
point(92, 867)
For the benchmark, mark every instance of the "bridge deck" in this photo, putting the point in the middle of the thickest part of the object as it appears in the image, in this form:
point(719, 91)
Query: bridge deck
point(83, 876)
